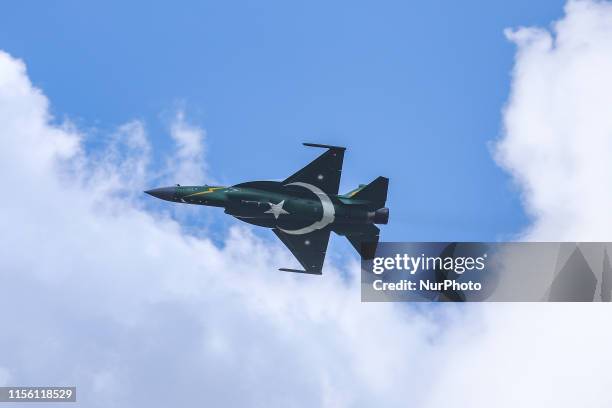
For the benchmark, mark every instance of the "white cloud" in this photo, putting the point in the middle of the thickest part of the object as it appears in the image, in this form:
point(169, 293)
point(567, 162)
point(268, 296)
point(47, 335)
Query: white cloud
point(556, 143)
point(558, 124)
point(532, 355)
point(97, 292)
point(187, 164)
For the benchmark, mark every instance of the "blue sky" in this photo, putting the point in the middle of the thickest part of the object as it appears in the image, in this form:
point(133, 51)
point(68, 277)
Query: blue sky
point(413, 89)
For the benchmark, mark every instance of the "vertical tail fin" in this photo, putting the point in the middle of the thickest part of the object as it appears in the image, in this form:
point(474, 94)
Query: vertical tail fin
point(375, 193)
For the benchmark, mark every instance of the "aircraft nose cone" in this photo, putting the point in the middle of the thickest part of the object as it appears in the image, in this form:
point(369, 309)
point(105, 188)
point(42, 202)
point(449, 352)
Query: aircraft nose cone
point(164, 193)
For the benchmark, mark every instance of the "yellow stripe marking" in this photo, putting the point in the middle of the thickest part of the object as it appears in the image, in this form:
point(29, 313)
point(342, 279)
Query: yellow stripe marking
point(210, 190)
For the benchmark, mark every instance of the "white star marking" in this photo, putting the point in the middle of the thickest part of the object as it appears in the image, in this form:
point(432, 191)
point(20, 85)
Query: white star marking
point(277, 209)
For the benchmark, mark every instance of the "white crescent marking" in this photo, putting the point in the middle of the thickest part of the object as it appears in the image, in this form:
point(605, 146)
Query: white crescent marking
point(328, 211)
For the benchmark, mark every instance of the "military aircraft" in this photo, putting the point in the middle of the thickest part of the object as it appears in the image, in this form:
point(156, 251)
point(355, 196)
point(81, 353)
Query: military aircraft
point(303, 209)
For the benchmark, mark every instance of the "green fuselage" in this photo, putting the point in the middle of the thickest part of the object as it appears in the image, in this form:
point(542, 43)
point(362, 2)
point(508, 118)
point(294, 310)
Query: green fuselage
point(297, 208)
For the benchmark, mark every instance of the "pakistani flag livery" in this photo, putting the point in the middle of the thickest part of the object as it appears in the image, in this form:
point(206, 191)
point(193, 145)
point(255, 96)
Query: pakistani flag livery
point(301, 210)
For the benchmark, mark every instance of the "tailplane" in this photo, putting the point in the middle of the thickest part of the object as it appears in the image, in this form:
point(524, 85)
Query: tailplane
point(365, 240)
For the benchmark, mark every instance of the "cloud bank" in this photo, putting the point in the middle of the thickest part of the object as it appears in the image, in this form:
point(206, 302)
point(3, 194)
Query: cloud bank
point(556, 143)
point(98, 292)
point(558, 124)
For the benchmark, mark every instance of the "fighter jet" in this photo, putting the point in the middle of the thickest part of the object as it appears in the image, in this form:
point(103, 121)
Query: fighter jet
point(302, 210)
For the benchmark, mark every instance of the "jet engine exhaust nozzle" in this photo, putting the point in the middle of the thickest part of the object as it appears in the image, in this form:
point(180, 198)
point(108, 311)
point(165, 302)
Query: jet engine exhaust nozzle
point(380, 216)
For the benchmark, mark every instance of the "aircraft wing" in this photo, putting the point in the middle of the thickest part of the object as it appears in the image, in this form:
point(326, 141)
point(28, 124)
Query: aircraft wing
point(323, 172)
point(308, 249)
